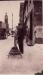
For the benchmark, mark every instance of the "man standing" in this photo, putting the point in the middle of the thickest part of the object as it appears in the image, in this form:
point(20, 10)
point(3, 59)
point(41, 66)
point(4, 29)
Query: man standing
point(21, 34)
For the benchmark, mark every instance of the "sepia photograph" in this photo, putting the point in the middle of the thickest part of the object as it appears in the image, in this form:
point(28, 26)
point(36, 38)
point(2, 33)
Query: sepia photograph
point(21, 37)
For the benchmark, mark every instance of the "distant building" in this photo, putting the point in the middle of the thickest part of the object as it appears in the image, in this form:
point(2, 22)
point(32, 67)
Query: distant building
point(6, 22)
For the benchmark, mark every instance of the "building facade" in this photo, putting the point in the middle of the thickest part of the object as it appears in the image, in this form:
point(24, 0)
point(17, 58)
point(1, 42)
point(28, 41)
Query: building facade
point(37, 12)
point(32, 18)
point(28, 20)
point(38, 20)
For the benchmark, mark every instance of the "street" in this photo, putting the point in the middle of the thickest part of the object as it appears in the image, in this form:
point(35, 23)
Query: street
point(30, 63)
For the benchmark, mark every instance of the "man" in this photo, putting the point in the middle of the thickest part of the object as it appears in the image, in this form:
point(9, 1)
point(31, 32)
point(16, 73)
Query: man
point(21, 34)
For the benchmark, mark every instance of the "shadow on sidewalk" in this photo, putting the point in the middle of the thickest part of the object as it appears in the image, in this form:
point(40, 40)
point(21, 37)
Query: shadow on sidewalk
point(14, 52)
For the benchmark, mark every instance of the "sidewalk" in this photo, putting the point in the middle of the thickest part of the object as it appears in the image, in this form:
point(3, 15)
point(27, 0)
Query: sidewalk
point(30, 63)
point(34, 56)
